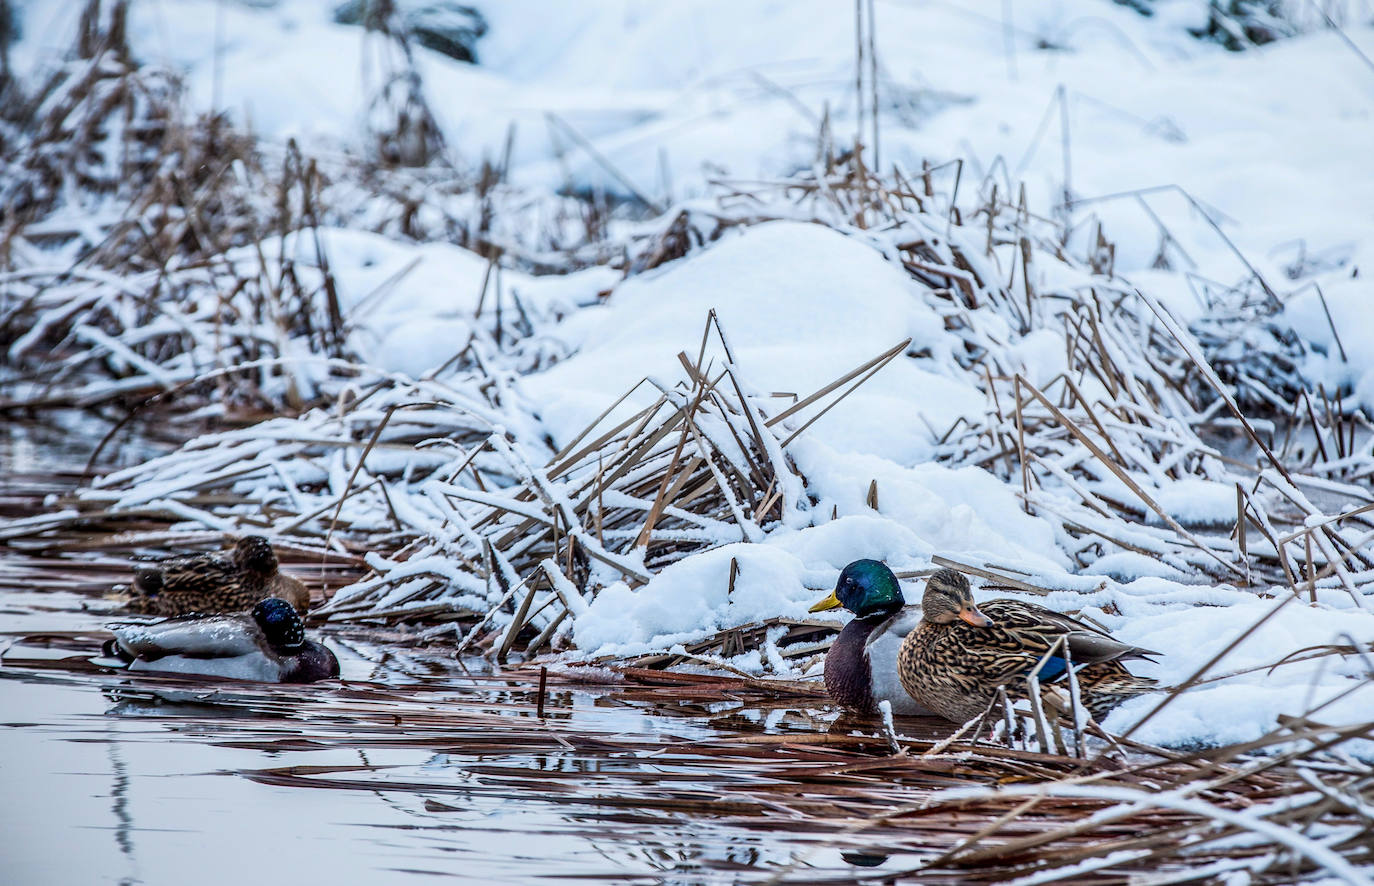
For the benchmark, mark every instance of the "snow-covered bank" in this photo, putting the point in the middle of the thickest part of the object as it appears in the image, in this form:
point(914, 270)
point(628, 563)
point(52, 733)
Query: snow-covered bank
point(1050, 424)
point(802, 305)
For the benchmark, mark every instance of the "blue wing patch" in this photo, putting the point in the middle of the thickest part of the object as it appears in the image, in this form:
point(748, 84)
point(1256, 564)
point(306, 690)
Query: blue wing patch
point(1053, 669)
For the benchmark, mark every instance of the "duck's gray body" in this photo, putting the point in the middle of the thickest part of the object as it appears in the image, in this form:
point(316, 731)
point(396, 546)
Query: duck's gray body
point(231, 646)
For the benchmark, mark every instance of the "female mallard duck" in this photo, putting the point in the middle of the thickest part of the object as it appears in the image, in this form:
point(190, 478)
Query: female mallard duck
point(216, 582)
point(267, 645)
point(861, 666)
point(959, 655)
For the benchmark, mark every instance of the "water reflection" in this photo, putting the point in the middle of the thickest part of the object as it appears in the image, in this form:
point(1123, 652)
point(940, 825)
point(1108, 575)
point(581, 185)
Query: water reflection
point(69, 437)
point(119, 799)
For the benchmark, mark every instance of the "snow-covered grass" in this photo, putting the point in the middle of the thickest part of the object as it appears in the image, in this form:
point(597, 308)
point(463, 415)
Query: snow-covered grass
point(1060, 338)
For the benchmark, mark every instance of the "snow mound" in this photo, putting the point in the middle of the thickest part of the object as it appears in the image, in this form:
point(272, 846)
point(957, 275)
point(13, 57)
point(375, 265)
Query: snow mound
point(802, 305)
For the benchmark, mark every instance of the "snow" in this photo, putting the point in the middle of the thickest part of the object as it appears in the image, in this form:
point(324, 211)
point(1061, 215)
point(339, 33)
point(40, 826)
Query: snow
point(1340, 356)
point(691, 594)
point(413, 306)
point(1192, 501)
point(1270, 146)
point(941, 509)
point(802, 305)
point(1243, 707)
point(1272, 140)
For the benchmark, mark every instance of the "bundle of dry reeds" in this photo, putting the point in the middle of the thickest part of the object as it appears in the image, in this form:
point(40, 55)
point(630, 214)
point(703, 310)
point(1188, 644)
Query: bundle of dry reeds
point(464, 522)
point(1138, 408)
point(146, 252)
point(1139, 405)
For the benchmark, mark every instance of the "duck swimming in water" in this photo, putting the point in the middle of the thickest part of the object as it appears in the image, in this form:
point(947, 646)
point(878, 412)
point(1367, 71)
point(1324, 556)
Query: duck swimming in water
point(216, 582)
point(267, 645)
point(861, 666)
point(959, 654)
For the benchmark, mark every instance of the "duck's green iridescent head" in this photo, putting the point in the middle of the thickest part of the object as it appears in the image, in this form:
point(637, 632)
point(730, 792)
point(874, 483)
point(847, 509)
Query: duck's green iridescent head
point(865, 587)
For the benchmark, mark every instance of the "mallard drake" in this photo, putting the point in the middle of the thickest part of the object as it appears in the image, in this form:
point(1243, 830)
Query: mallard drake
point(959, 654)
point(267, 645)
point(861, 666)
point(206, 583)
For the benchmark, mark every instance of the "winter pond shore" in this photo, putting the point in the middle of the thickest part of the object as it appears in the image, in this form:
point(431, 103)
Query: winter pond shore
point(602, 346)
point(426, 764)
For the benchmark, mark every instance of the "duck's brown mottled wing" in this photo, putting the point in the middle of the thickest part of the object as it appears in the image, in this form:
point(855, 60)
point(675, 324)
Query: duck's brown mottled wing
point(197, 583)
point(196, 574)
point(1037, 628)
point(955, 668)
point(1006, 649)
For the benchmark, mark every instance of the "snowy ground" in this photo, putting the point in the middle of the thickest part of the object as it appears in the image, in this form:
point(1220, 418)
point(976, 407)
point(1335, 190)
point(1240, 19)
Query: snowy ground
point(1082, 97)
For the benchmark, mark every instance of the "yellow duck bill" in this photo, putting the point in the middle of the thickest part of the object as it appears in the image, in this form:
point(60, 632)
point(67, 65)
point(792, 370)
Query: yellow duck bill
point(830, 602)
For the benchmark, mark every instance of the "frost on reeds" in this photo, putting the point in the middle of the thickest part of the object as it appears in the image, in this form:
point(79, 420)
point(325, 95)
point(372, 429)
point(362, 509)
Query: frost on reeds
point(469, 512)
point(146, 252)
point(132, 241)
point(468, 515)
point(199, 275)
point(150, 257)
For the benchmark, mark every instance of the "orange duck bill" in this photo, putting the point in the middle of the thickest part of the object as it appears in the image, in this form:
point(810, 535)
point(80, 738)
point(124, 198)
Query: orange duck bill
point(973, 616)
